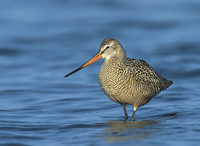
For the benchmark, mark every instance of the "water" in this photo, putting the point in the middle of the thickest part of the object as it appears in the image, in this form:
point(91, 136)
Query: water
point(41, 41)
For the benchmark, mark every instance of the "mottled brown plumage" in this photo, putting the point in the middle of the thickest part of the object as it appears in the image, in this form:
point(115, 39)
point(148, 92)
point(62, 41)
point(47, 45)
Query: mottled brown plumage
point(125, 80)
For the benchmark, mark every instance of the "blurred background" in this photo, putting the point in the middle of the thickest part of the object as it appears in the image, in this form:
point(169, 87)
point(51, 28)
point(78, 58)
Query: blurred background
point(41, 41)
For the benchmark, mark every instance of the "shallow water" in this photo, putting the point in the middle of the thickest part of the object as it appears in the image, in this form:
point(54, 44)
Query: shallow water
point(41, 41)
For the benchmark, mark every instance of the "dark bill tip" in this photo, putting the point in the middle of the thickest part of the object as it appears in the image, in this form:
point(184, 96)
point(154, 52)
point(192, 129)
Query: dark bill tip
point(73, 71)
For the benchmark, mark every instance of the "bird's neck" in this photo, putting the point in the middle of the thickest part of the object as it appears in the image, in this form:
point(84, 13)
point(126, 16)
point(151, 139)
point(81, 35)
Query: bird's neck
point(114, 60)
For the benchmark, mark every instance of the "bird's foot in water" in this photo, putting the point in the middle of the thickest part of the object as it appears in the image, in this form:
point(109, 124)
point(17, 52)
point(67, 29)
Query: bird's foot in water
point(133, 119)
point(126, 117)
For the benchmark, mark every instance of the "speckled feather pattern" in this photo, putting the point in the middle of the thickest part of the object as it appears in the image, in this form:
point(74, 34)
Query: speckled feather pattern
point(130, 81)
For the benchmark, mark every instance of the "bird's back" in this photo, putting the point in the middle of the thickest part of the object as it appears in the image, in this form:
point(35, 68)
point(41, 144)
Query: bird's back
point(145, 74)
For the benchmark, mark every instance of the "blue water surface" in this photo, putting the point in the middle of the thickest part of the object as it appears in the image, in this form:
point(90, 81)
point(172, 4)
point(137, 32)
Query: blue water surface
point(41, 41)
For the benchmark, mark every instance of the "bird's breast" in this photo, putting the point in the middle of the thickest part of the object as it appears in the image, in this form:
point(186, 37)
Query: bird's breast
point(115, 80)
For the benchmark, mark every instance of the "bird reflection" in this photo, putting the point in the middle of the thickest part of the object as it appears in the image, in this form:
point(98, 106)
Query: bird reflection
point(123, 130)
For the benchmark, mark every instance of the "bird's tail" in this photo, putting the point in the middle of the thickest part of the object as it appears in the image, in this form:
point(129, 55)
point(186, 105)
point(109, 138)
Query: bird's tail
point(167, 84)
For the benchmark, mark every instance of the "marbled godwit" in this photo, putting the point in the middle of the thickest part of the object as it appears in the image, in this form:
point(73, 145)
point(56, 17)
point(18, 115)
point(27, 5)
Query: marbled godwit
point(125, 80)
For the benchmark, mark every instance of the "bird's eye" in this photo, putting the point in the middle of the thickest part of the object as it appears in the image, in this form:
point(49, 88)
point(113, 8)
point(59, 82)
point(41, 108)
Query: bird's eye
point(107, 47)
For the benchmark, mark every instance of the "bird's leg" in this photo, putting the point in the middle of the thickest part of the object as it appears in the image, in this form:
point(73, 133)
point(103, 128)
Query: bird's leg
point(133, 116)
point(125, 112)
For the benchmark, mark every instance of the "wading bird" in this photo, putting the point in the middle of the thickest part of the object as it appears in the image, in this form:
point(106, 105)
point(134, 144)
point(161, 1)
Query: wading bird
point(125, 80)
